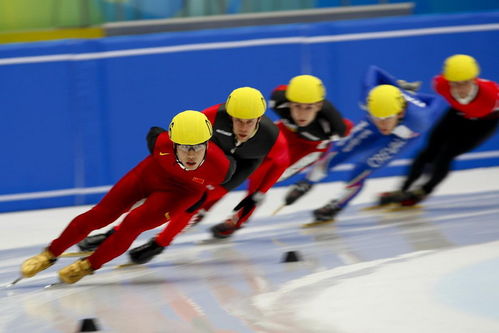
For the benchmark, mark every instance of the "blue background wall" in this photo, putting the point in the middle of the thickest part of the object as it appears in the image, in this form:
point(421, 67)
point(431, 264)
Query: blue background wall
point(78, 120)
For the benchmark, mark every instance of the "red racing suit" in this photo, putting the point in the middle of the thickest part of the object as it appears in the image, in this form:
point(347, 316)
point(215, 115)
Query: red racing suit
point(467, 123)
point(296, 149)
point(306, 145)
point(168, 190)
point(267, 144)
point(485, 103)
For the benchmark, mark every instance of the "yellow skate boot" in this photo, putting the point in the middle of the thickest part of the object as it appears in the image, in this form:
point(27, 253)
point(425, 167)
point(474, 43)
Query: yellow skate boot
point(38, 263)
point(76, 271)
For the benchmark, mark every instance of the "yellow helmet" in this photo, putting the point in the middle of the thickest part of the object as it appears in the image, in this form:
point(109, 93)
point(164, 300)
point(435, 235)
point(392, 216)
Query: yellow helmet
point(460, 67)
point(246, 103)
point(305, 89)
point(385, 101)
point(190, 128)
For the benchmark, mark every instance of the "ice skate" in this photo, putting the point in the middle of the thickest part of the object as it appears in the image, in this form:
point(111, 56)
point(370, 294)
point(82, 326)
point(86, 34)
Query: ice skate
point(38, 263)
point(297, 191)
point(386, 199)
point(146, 252)
point(76, 271)
point(409, 200)
point(324, 215)
point(91, 243)
point(224, 230)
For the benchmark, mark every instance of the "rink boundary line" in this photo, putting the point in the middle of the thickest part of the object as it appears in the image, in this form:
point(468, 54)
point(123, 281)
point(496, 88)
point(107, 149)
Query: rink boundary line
point(251, 43)
point(103, 189)
point(407, 161)
point(273, 231)
point(54, 193)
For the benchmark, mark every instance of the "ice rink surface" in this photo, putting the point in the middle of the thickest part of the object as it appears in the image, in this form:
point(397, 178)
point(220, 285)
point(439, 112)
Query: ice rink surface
point(434, 269)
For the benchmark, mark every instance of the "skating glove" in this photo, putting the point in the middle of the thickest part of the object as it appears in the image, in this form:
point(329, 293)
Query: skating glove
point(144, 253)
point(250, 202)
point(152, 136)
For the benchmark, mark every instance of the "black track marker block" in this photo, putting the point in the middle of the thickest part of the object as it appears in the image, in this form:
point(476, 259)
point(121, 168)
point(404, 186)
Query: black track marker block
point(88, 325)
point(291, 256)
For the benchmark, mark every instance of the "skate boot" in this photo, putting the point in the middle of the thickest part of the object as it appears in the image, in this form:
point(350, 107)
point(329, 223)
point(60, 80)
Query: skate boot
point(146, 252)
point(412, 198)
point(297, 191)
point(387, 198)
point(328, 212)
point(324, 215)
point(91, 243)
point(76, 271)
point(224, 230)
point(38, 263)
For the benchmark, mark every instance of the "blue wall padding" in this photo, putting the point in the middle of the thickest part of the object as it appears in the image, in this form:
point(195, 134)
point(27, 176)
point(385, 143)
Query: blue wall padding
point(81, 123)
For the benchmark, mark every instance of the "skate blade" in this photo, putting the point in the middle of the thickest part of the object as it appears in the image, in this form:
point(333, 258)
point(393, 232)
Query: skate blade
point(76, 254)
point(399, 208)
point(128, 264)
point(376, 207)
point(55, 285)
point(278, 210)
point(8, 285)
point(317, 223)
point(213, 241)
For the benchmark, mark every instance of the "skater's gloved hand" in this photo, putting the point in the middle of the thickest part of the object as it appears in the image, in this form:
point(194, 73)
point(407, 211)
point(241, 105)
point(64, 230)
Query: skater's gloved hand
point(145, 252)
point(250, 202)
point(152, 136)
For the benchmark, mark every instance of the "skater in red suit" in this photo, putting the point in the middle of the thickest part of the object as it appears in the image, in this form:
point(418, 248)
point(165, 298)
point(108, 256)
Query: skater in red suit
point(171, 180)
point(310, 124)
point(472, 117)
point(246, 135)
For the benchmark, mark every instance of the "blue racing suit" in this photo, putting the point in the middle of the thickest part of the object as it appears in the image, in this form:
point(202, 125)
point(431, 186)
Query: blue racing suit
point(370, 148)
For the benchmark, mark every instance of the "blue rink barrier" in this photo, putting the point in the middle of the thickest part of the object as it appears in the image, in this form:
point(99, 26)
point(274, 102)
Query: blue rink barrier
point(75, 112)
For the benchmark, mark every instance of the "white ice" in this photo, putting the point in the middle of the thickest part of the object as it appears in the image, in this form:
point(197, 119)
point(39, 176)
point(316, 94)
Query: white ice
point(432, 272)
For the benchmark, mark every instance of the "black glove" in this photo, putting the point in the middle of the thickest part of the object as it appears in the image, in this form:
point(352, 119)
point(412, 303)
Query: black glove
point(91, 243)
point(152, 136)
point(145, 252)
point(250, 202)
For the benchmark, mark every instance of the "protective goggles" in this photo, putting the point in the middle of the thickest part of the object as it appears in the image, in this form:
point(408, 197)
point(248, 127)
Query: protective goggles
point(187, 148)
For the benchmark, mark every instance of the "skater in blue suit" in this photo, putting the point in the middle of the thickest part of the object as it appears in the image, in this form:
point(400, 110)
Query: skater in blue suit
point(395, 118)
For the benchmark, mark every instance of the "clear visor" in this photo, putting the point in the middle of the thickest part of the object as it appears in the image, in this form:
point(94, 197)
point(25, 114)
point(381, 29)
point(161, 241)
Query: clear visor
point(196, 148)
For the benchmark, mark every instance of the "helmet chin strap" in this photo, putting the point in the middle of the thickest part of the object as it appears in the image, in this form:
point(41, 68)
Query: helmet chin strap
point(183, 166)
